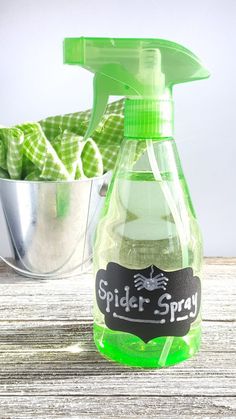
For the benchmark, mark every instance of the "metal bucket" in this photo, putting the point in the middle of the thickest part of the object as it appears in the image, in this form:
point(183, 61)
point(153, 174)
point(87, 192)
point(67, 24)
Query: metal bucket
point(50, 226)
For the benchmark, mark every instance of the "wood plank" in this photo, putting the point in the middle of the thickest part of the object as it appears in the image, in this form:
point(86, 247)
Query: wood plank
point(35, 337)
point(70, 299)
point(78, 371)
point(219, 260)
point(60, 358)
point(116, 407)
point(176, 384)
point(49, 366)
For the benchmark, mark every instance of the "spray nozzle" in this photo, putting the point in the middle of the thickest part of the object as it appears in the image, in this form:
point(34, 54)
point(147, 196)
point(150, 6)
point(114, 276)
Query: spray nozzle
point(139, 69)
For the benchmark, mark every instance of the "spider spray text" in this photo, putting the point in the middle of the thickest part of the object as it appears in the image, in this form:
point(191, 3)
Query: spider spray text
point(165, 304)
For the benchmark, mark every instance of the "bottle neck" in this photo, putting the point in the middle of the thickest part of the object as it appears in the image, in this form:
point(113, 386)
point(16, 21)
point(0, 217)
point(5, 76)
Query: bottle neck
point(148, 118)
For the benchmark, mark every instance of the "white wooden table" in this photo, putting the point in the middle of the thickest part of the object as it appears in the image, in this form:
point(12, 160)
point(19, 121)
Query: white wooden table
point(49, 367)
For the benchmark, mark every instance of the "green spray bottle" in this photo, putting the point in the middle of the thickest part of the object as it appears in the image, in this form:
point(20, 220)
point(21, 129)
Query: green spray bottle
point(148, 246)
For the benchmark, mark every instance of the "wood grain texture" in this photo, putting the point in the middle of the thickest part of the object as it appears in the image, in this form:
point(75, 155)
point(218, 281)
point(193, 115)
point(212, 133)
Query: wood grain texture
point(49, 367)
point(115, 407)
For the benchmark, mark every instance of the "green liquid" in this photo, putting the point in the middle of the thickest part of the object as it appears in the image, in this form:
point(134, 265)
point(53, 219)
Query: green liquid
point(131, 350)
point(137, 229)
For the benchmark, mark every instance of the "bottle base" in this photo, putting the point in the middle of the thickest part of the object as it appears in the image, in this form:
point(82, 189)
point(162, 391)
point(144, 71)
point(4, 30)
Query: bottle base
point(161, 352)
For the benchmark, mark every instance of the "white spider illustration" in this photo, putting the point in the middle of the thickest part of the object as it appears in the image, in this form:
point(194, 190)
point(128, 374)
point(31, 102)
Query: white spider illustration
point(152, 283)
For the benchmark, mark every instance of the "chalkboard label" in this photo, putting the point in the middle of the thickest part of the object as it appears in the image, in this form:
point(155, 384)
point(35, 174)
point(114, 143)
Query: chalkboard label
point(149, 302)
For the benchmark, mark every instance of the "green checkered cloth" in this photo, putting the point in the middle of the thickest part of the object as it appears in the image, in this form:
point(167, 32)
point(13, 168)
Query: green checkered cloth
point(107, 136)
point(54, 149)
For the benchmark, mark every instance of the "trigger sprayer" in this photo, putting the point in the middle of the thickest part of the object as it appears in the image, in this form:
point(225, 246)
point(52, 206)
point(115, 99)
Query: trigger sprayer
point(148, 247)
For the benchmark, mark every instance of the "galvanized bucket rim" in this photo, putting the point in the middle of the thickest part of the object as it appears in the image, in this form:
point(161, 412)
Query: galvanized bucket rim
point(89, 179)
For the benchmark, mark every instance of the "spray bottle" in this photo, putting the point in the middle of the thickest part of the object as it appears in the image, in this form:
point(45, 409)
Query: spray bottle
point(148, 246)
